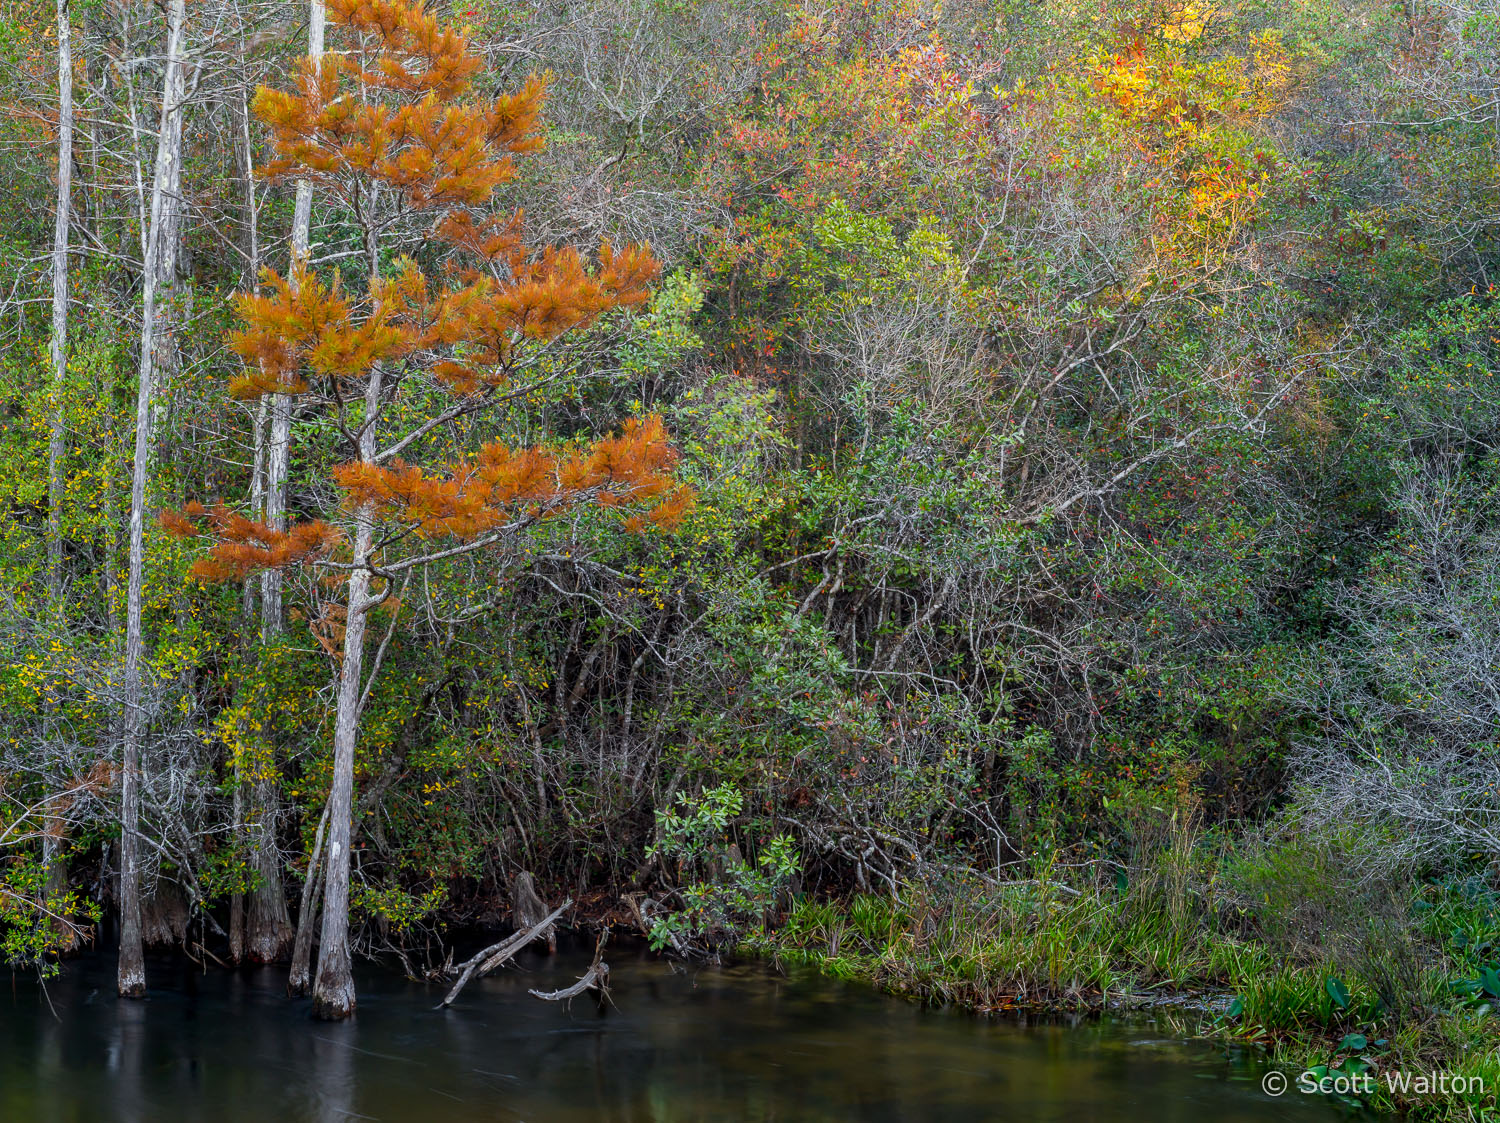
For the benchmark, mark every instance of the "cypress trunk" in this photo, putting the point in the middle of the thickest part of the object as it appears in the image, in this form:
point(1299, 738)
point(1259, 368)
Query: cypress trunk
point(159, 265)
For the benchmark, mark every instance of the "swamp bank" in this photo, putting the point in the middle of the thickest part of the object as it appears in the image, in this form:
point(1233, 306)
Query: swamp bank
point(1365, 1024)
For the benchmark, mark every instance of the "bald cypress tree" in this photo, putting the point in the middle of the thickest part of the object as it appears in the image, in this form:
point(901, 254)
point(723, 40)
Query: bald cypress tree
point(390, 128)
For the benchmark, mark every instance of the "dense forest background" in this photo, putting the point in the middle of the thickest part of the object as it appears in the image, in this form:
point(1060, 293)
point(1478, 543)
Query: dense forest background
point(1077, 424)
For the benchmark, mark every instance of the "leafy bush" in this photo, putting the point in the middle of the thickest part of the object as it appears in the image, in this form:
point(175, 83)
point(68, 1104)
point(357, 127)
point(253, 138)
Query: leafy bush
point(731, 896)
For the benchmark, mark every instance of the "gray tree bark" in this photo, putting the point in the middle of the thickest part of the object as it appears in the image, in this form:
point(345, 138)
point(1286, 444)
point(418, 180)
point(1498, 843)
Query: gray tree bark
point(299, 979)
point(160, 265)
point(278, 462)
point(57, 447)
point(246, 152)
point(265, 929)
point(279, 448)
point(268, 930)
point(333, 992)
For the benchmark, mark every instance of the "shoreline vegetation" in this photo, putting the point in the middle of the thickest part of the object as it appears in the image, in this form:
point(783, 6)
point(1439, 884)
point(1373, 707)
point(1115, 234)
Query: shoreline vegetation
point(1332, 1009)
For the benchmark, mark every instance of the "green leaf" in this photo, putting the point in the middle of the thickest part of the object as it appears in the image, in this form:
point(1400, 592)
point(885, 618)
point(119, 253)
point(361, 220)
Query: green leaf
point(1490, 980)
point(1354, 1042)
point(1338, 992)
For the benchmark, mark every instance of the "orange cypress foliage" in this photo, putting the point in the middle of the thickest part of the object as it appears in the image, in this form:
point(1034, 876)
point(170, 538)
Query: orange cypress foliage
point(309, 325)
point(277, 325)
point(397, 110)
point(397, 120)
point(502, 485)
point(244, 546)
point(393, 111)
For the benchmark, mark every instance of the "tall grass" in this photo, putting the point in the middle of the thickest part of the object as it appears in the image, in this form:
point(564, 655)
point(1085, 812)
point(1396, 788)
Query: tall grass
point(988, 944)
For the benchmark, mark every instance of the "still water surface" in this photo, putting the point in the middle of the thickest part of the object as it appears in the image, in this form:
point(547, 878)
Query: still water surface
point(710, 1044)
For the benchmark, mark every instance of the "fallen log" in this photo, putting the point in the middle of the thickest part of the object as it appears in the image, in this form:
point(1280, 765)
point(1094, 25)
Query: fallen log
point(497, 954)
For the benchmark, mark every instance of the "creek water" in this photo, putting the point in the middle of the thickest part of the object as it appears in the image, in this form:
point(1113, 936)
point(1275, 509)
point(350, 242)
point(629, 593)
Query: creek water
point(741, 1042)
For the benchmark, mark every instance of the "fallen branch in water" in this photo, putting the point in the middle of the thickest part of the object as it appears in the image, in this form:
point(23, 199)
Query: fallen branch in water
point(497, 954)
point(595, 978)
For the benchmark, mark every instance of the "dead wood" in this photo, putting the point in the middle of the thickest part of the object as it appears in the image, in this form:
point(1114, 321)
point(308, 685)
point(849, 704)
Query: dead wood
point(595, 978)
point(527, 907)
point(497, 954)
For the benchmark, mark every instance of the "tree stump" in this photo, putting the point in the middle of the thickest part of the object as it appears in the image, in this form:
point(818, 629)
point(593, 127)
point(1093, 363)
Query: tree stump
point(527, 909)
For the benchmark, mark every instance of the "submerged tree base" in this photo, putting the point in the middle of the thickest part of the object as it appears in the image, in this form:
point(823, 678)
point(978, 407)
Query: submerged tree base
point(333, 1008)
point(133, 986)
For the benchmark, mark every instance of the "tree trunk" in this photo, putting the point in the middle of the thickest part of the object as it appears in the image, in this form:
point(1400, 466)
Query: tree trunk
point(252, 266)
point(246, 153)
point(278, 463)
point(268, 934)
point(333, 993)
point(237, 898)
point(278, 447)
point(160, 262)
point(278, 468)
point(52, 840)
point(278, 459)
point(299, 979)
point(257, 504)
point(57, 439)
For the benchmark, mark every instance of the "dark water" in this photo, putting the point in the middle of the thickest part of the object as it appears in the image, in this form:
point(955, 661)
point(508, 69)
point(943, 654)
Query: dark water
point(735, 1043)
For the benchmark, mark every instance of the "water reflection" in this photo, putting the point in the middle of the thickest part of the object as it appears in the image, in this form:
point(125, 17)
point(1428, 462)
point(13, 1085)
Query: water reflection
point(738, 1043)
